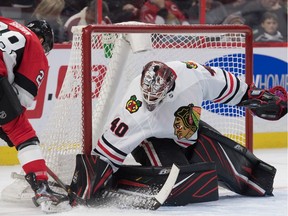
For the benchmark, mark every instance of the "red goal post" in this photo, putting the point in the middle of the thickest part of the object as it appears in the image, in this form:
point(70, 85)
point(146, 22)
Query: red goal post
point(165, 29)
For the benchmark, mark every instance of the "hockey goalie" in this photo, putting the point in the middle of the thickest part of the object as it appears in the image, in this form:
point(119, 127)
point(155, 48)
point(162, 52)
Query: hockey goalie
point(159, 122)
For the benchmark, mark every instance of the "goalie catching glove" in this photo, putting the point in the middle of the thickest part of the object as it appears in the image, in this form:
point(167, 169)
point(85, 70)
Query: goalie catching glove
point(267, 104)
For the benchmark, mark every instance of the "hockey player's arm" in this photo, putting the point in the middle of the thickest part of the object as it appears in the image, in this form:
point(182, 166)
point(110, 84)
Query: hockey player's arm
point(223, 87)
point(267, 104)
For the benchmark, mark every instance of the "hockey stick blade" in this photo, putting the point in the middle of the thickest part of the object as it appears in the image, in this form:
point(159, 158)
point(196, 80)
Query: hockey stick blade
point(165, 191)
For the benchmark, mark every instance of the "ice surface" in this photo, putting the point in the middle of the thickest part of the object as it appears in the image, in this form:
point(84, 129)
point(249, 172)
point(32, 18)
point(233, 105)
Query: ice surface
point(229, 204)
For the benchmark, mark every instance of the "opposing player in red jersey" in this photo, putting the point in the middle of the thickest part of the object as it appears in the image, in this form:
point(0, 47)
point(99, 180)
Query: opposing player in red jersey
point(159, 122)
point(23, 67)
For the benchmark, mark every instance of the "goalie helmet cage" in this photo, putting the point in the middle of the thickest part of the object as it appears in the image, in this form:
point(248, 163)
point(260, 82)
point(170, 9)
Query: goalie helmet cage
point(103, 61)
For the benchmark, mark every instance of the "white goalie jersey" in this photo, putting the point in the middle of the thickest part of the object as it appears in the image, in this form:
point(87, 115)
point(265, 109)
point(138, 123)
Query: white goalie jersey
point(176, 117)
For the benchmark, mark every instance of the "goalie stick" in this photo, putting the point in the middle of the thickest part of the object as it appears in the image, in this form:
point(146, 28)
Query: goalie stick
point(124, 198)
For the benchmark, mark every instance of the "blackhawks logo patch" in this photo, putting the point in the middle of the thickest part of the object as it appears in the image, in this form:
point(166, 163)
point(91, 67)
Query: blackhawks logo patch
point(190, 65)
point(133, 104)
point(186, 121)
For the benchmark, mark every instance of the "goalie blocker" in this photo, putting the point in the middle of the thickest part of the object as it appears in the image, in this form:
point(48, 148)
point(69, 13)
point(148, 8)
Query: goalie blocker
point(267, 104)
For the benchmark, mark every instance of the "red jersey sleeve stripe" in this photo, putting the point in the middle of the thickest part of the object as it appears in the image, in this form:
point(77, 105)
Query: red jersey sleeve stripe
point(108, 153)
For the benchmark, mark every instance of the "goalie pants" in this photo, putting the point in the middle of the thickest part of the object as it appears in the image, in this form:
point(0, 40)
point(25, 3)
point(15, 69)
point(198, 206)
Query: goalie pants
point(237, 168)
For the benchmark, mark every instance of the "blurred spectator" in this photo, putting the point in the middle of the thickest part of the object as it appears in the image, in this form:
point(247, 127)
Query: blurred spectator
point(183, 6)
point(233, 6)
point(72, 7)
point(284, 3)
point(269, 29)
point(123, 10)
point(86, 16)
point(253, 12)
point(162, 12)
point(24, 8)
point(5, 3)
point(234, 19)
point(215, 12)
point(50, 10)
point(22, 3)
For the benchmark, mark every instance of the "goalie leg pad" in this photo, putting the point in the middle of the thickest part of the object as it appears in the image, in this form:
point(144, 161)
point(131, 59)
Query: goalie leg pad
point(237, 168)
point(195, 183)
point(263, 174)
point(91, 176)
point(10, 106)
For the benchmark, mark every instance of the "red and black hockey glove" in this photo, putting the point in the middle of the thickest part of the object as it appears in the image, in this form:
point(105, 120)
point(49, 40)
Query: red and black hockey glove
point(267, 104)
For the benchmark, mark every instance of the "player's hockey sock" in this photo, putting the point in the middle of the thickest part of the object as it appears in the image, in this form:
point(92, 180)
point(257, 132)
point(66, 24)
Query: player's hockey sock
point(31, 159)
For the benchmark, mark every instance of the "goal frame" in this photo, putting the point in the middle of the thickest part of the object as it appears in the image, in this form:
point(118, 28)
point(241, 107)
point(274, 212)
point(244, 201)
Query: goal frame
point(87, 63)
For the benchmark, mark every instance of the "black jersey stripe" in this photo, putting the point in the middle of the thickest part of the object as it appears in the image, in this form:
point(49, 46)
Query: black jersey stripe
point(235, 92)
point(112, 147)
point(26, 84)
point(225, 87)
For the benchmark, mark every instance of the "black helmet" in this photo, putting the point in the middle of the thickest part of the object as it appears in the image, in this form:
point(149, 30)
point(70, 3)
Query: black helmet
point(42, 29)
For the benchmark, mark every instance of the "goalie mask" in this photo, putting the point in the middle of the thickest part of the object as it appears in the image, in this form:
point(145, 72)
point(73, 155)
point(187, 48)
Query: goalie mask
point(156, 80)
point(42, 29)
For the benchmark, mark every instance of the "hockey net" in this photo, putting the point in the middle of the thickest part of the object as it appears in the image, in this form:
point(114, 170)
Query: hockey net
point(103, 61)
